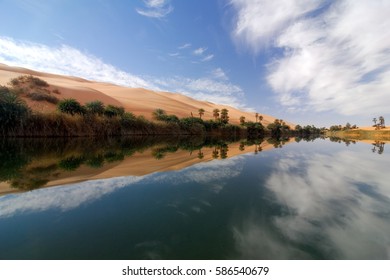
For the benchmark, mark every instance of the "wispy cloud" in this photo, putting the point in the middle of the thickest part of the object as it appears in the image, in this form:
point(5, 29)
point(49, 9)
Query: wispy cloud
point(184, 46)
point(155, 8)
point(210, 89)
point(259, 21)
point(335, 55)
point(218, 73)
point(66, 60)
point(174, 54)
point(208, 57)
point(199, 51)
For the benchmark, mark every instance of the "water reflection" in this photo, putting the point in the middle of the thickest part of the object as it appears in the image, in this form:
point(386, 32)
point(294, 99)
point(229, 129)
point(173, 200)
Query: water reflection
point(338, 204)
point(379, 147)
point(27, 164)
point(309, 200)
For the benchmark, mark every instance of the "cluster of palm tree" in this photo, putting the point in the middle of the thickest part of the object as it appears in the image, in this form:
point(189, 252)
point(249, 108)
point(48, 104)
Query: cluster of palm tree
point(219, 115)
point(258, 119)
point(380, 124)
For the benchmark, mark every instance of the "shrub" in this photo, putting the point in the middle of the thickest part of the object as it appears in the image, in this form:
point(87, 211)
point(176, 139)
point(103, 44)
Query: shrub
point(37, 96)
point(112, 111)
point(127, 120)
point(71, 106)
point(29, 79)
point(95, 107)
point(13, 110)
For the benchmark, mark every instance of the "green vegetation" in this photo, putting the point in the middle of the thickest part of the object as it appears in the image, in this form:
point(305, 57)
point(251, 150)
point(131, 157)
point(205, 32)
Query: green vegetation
point(95, 107)
point(278, 128)
point(97, 119)
point(34, 89)
point(380, 124)
point(28, 81)
point(114, 111)
point(13, 110)
point(71, 106)
point(38, 96)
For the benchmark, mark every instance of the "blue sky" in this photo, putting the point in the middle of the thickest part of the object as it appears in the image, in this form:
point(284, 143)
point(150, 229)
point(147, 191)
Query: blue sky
point(310, 62)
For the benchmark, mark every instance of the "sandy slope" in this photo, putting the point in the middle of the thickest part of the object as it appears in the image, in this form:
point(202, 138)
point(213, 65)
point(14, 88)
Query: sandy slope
point(137, 100)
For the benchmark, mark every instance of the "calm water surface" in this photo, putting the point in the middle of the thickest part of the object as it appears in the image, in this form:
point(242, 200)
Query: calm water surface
point(307, 200)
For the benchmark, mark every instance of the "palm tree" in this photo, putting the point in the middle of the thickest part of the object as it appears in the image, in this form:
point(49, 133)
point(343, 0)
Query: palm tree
point(224, 116)
point(374, 120)
point(201, 112)
point(216, 114)
point(215, 153)
point(95, 107)
point(382, 121)
point(242, 120)
point(260, 118)
point(256, 116)
point(158, 114)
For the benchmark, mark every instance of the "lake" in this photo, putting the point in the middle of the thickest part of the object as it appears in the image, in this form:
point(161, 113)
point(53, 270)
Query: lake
point(147, 198)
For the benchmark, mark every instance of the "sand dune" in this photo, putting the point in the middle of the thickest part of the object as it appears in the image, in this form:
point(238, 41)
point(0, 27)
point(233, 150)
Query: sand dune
point(136, 100)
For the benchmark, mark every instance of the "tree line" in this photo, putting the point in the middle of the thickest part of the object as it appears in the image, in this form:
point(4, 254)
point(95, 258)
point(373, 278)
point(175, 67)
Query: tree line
point(95, 118)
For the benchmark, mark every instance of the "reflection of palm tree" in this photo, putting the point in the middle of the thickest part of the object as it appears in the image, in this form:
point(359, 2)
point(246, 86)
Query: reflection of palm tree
point(224, 149)
point(200, 154)
point(215, 153)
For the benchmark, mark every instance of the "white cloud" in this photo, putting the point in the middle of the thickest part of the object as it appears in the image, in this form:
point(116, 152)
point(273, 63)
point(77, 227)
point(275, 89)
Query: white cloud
point(174, 54)
point(208, 57)
point(207, 89)
point(258, 21)
point(66, 60)
point(334, 59)
point(156, 8)
point(199, 51)
point(184, 46)
point(218, 73)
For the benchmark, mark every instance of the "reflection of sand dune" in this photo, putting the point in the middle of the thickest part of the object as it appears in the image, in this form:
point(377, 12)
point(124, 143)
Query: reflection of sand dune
point(137, 100)
point(141, 164)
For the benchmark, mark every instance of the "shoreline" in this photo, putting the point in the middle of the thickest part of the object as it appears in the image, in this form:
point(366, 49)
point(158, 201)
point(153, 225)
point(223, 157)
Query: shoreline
point(362, 134)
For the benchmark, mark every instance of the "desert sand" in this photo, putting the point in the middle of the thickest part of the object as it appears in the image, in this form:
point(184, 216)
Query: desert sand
point(136, 100)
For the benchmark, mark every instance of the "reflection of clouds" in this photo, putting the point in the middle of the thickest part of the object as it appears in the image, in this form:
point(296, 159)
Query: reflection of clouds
point(213, 174)
point(206, 172)
point(72, 196)
point(256, 242)
point(152, 250)
point(63, 197)
point(344, 199)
